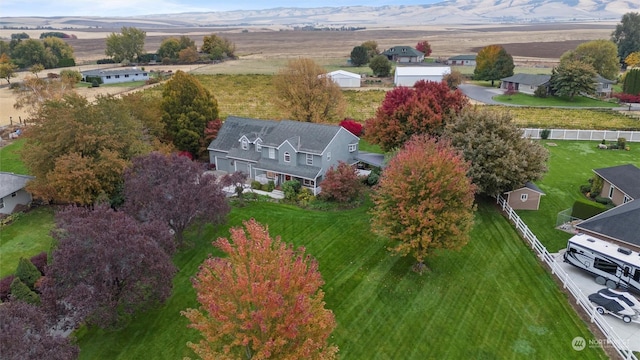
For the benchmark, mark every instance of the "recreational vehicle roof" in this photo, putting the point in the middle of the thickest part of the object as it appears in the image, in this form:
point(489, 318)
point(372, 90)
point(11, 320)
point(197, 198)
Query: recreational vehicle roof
point(607, 248)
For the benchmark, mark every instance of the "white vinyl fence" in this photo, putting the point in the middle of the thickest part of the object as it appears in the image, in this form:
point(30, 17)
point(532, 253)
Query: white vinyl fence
point(581, 299)
point(597, 135)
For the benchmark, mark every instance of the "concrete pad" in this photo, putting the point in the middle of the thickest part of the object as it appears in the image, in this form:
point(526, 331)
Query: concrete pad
point(629, 333)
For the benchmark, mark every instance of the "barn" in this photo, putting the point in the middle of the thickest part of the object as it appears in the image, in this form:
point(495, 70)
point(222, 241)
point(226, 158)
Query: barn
point(409, 75)
point(345, 79)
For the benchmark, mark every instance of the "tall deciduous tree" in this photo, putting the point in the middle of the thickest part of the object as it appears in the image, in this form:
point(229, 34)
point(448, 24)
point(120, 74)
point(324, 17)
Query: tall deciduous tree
point(186, 108)
point(58, 47)
point(7, 68)
point(127, 45)
point(424, 47)
point(633, 59)
point(601, 54)
point(493, 63)
point(34, 92)
point(573, 77)
point(262, 301)
point(306, 95)
point(627, 34)
point(501, 159)
point(77, 151)
point(218, 47)
point(372, 47)
point(174, 190)
point(32, 51)
point(26, 333)
point(405, 112)
point(424, 200)
point(359, 56)
point(341, 184)
point(169, 48)
point(106, 266)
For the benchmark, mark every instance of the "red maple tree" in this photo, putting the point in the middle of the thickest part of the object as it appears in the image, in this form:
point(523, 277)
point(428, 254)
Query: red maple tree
point(263, 300)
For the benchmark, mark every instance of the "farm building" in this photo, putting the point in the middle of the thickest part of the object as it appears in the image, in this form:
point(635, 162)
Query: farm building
point(12, 191)
point(345, 79)
point(409, 75)
point(114, 76)
point(404, 54)
point(462, 60)
point(526, 83)
point(525, 198)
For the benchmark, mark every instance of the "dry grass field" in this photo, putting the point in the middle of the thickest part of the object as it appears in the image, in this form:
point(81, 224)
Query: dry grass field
point(265, 50)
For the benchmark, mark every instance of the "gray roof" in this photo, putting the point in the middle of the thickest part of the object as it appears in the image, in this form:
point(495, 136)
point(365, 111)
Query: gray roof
point(234, 127)
point(303, 171)
point(373, 159)
point(403, 51)
point(528, 79)
point(303, 136)
point(463, 57)
point(113, 71)
point(602, 80)
point(624, 177)
point(619, 223)
point(10, 182)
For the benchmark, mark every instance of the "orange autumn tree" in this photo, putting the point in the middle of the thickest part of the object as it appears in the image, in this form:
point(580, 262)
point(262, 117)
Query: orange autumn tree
point(262, 301)
point(424, 200)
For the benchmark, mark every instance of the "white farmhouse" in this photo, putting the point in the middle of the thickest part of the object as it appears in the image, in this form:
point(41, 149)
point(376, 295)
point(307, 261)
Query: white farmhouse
point(409, 75)
point(118, 75)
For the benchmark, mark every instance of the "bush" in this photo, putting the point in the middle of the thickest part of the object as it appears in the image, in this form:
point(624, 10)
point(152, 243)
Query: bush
point(305, 197)
point(603, 200)
point(291, 189)
point(583, 210)
point(5, 287)
point(256, 185)
point(373, 178)
point(66, 62)
point(544, 134)
point(541, 92)
point(264, 187)
point(21, 292)
point(95, 83)
point(585, 188)
point(596, 186)
point(106, 61)
point(27, 272)
point(75, 75)
point(341, 184)
point(622, 143)
point(627, 98)
point(40, 261)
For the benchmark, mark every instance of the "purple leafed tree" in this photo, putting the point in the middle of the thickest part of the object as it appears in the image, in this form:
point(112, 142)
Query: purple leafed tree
point(175, 190)
point(25, 333)
point(106, 266)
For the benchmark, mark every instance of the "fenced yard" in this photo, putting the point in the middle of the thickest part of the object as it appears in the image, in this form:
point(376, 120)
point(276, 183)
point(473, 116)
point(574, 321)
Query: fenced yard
point(593, 135)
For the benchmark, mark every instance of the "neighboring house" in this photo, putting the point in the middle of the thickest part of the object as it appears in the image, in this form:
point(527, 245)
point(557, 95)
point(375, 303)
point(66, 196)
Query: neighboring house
point(12, 192)
point(280, 151)
point(409, 75)
point(345, 79)
point(621, 184)
point(525, 198)
point(603, 86)
point(526, 83)
point(118, 75)
point(404, 54)
point(462, 60)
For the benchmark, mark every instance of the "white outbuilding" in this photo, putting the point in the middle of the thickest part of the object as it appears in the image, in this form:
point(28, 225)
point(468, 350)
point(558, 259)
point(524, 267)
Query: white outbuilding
point(409, 75)
point(345, 79)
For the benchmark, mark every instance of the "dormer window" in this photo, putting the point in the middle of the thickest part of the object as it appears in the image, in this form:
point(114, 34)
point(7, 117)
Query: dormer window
point(287, 157)
point(245, 144)
point(258, 147)
point(353, 147)
point(329, 155)
point(272, 153)
point(309, 159)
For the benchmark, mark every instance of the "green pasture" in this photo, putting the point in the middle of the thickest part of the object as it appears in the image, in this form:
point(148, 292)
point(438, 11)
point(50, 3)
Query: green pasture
point(492, 300)
point(530, 100)
point(10, 158)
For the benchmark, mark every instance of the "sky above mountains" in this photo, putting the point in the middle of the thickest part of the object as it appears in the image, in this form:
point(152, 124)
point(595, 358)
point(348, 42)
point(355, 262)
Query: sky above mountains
point(47, 8)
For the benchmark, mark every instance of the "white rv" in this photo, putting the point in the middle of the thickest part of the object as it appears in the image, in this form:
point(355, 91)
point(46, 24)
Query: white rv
point(612, 265)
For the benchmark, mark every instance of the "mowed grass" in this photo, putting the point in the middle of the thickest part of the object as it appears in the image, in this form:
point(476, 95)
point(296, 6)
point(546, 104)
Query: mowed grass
point(10, 158)
point(570, 165)
point(530, 100)
point(558, 118)
point(492, 300)
point(25, 237)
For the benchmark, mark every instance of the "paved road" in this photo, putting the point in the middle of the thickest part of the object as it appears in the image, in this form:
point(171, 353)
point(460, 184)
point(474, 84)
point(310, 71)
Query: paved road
point(481, 93)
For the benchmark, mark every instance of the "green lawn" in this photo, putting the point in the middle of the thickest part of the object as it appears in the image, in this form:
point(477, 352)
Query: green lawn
point(26, 237)
point(492, 300)
point(530, 100)
point(10, 158)
point(570, 166)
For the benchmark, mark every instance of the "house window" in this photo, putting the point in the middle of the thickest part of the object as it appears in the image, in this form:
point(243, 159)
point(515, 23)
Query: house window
point(108, 76)
point(126, 75)
point(611, 192)
point(605, 86)
point(309, 159)
point(117, 76)
point(287, 157)
point(352, 147)
point(329, 155)
point(307, 182)
point(245, 144)
point(258, 147)
point(272, 153)
point(13, 194)
point(1, 203)
point(524, 197)
point(624, 201)
point(144, 74)
point(271, 175)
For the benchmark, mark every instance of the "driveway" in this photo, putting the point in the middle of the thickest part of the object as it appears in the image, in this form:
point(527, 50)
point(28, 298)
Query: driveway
point(481, 93)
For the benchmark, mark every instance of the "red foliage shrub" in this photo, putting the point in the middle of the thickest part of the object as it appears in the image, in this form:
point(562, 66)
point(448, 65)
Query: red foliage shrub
point(40, 261)
point(628, 98)
point(353, 126)
point(341, 184)
point(5, 287)
point(185, 154)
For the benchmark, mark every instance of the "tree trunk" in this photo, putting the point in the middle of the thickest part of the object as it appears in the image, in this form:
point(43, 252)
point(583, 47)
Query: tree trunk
point(420, 267)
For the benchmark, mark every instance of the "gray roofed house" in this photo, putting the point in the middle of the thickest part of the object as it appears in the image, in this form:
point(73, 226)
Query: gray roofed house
point(619, 224)
point(280, 151)
point(462, 60)
point(603, 86)
point(621, 183)
point(525, 83)
point(116, 75)
point(404, 54)
point(12, 192)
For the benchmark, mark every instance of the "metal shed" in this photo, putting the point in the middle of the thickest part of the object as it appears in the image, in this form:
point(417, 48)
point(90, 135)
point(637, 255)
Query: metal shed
point(345, 79)
point(409, 75)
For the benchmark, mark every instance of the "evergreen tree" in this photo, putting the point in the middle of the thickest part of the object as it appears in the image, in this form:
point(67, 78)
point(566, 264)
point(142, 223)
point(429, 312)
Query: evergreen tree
point(632, 82)
point(21, 292)
point(27, 272)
